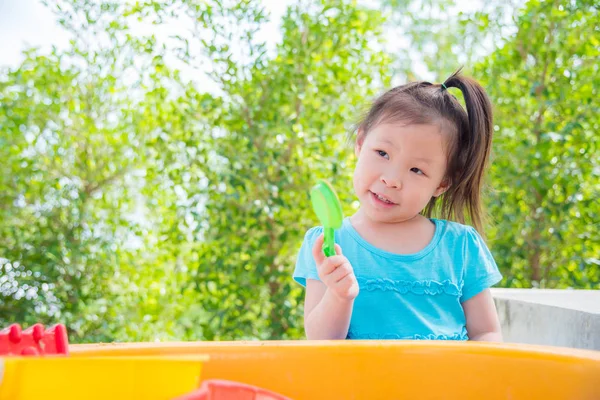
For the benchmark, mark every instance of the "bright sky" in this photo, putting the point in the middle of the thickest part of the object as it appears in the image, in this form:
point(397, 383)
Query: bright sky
point(25, 23)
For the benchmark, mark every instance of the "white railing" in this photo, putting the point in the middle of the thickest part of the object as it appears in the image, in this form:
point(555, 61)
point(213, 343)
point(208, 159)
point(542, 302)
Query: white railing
point(567, 318)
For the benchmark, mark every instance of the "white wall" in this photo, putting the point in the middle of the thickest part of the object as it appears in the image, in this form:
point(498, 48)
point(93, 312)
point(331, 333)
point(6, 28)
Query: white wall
point(566, 318)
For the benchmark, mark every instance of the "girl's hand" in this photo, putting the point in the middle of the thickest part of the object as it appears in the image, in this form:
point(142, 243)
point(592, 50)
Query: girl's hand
point(335, 272)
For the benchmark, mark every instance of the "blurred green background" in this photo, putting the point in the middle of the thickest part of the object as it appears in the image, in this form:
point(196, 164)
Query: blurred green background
point(155, 170)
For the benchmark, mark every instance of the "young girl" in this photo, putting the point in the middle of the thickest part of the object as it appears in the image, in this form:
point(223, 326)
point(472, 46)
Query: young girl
point(399, 274)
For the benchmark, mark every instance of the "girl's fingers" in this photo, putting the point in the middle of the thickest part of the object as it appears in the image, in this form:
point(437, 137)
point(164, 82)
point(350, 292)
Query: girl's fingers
point(338, 249)
point(341, 272)
point(317, 250)
point(330, 264)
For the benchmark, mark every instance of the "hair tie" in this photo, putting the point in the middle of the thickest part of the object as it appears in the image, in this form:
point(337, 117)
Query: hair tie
point(444, 87)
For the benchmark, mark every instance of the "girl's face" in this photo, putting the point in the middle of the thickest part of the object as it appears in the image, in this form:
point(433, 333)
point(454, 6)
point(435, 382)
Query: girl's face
point(400, 168)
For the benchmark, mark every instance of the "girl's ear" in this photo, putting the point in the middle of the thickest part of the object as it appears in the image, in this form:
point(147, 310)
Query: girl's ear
point(444, 186)
point(360, 138)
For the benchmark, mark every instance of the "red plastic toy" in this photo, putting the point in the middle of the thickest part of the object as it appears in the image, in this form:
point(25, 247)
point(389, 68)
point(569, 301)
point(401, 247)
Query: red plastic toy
point(34, 341)
point(216, 389)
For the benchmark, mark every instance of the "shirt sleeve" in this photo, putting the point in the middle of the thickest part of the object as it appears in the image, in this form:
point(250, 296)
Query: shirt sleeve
point(481, 271)
point(306, 267)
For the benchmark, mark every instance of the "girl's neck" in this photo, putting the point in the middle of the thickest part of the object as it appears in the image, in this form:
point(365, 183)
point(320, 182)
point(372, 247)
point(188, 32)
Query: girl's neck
point(404, 237)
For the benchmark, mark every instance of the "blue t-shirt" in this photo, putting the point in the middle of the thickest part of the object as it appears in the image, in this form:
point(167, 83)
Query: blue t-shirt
point(410, 296)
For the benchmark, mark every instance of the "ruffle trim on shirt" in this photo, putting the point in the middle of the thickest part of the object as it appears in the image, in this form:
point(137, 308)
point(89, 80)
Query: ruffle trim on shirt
point(391, 336)
point(417, 287)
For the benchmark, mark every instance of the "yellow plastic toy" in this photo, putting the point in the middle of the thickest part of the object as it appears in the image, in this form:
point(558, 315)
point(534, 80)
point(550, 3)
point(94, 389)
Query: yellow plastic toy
point(106, 378)
point(314, 370)
point(308, 370)
point(39, 364)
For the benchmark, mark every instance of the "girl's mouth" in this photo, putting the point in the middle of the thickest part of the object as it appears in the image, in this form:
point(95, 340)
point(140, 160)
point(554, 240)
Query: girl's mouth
point(382, 200)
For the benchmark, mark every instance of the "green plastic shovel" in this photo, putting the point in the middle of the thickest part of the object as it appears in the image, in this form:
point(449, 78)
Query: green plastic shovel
point(329, 211)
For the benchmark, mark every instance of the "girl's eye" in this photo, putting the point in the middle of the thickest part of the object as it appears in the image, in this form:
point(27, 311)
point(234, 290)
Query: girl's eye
point(383, 154)
point(417, 171)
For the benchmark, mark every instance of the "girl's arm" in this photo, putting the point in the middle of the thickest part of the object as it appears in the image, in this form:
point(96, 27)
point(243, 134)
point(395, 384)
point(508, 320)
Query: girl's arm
point(328, 303)
point(326, 316)
point(482, 318)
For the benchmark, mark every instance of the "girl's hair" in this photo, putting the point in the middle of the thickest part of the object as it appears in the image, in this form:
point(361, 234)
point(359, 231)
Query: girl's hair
point(470, 135)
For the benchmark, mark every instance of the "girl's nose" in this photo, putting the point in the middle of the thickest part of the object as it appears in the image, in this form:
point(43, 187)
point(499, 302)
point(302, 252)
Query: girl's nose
point(393, 183)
